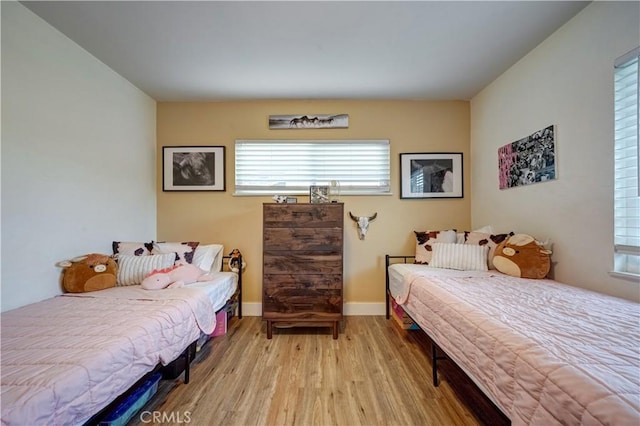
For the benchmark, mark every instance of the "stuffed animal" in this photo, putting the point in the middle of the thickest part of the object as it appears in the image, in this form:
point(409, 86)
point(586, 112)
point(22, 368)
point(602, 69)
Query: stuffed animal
point(234, 260)
point(175, 277)
point(90, 272)
point(522, 256)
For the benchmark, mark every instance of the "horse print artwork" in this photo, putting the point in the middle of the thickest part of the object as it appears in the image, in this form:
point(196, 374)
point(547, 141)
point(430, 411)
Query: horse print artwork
point(337, 121)
point(193, 168)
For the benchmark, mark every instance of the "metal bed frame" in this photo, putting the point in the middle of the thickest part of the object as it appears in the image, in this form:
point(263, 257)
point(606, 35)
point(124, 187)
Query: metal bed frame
point(187, 355)
point(434, 346)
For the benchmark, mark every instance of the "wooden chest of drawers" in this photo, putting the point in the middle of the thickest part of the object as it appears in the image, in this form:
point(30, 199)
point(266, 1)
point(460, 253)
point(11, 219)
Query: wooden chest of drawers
point(302, 265)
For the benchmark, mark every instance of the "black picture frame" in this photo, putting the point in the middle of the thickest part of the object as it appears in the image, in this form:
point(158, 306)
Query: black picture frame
point(431, 175)
point(193, 168)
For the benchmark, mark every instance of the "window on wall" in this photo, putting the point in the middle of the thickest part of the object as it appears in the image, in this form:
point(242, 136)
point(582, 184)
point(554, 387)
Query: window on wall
point(268, 167)
point(627, 179)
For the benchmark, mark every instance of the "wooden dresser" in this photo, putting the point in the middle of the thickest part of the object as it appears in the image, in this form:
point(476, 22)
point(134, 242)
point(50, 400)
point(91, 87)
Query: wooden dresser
point(302, 265)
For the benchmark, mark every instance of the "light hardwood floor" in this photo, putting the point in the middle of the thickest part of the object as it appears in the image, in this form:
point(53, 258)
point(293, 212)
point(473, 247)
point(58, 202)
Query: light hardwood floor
point(373, 374)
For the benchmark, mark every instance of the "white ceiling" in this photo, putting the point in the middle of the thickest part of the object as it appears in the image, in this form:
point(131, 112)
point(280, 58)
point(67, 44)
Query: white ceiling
point(215, 50)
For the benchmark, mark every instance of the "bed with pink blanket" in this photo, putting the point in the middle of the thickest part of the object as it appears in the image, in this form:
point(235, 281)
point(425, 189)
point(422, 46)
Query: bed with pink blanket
point(543, 352)
point(66, 358)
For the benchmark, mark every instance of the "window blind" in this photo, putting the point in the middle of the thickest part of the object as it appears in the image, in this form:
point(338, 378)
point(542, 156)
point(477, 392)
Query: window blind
point(267, 167)
point(627, 180)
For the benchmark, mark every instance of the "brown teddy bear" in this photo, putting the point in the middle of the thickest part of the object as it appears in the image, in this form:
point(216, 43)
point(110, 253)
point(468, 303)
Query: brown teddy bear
point(522, 256)
point(90, 272)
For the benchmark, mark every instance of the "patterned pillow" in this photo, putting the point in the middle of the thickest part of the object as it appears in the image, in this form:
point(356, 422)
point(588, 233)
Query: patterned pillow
point(184, 251)
point(491, 241)
point(133, 269)
point(131, 248)
point(487, 229)
point(463, 257)
point(425, 241)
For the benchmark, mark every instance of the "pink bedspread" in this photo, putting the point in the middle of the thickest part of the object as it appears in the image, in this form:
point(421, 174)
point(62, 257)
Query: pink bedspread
point(544, 352)
point(66, 358)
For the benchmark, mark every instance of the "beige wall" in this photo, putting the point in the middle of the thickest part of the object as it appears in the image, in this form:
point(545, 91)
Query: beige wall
point(219, 217)
point(566, 81)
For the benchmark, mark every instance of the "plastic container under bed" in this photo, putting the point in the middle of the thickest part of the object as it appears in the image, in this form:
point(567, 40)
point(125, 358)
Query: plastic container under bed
point(121, 414)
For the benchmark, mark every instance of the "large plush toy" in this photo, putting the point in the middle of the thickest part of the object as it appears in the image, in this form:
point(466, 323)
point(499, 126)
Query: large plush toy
point(90, 272)
point(174, 277)
point(521, 255)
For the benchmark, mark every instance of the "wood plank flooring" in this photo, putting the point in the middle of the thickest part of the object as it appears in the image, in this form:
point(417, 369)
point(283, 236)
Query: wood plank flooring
point(373, 374)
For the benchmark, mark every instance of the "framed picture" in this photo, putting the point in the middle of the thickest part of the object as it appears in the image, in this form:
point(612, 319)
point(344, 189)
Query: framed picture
point(291, 200)
point(431, 175)
point(318, 194)
point(318, 121)
point(531, 159)
point(193, 168)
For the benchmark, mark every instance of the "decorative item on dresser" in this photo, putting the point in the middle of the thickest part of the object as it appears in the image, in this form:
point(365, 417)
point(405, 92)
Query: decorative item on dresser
point(318, 194)
point(302, 265)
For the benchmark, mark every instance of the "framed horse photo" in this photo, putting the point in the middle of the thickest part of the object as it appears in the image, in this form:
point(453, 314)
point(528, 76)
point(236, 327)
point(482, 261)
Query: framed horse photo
point(318, 121)
point(193, 168)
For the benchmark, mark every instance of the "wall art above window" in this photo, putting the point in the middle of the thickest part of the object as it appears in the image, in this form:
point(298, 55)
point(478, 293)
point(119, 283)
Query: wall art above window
point(529, 160)
point(336, 121)
point(193, 168)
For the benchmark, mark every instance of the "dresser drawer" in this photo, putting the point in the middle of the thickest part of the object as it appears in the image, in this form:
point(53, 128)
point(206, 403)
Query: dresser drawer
point(304, 239)
point(303, 215)
point(274, 263)
point(287, 308)
point(302, 282)
point(302, 296)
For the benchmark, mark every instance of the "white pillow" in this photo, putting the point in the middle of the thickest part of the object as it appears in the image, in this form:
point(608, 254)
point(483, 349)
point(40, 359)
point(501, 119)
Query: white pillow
point(133, 269)
point(209, 257)
point(463, 257)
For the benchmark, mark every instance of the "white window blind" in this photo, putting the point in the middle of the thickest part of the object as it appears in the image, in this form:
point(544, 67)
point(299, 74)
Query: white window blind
point(267, 167)
point(627, 180)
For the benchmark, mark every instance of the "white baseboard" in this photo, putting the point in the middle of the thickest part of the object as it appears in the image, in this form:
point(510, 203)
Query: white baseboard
point(252, 309)
point(354, 309)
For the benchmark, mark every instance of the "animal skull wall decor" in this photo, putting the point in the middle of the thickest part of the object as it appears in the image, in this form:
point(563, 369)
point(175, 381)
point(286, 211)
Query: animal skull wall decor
point(363, 223)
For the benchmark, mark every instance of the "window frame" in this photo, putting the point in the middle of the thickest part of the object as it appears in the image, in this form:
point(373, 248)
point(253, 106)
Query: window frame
point(626, 252)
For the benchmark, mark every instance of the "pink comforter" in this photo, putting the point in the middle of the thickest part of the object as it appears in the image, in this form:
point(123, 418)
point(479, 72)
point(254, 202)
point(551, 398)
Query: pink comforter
point(544, 352)
point(66, 358)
